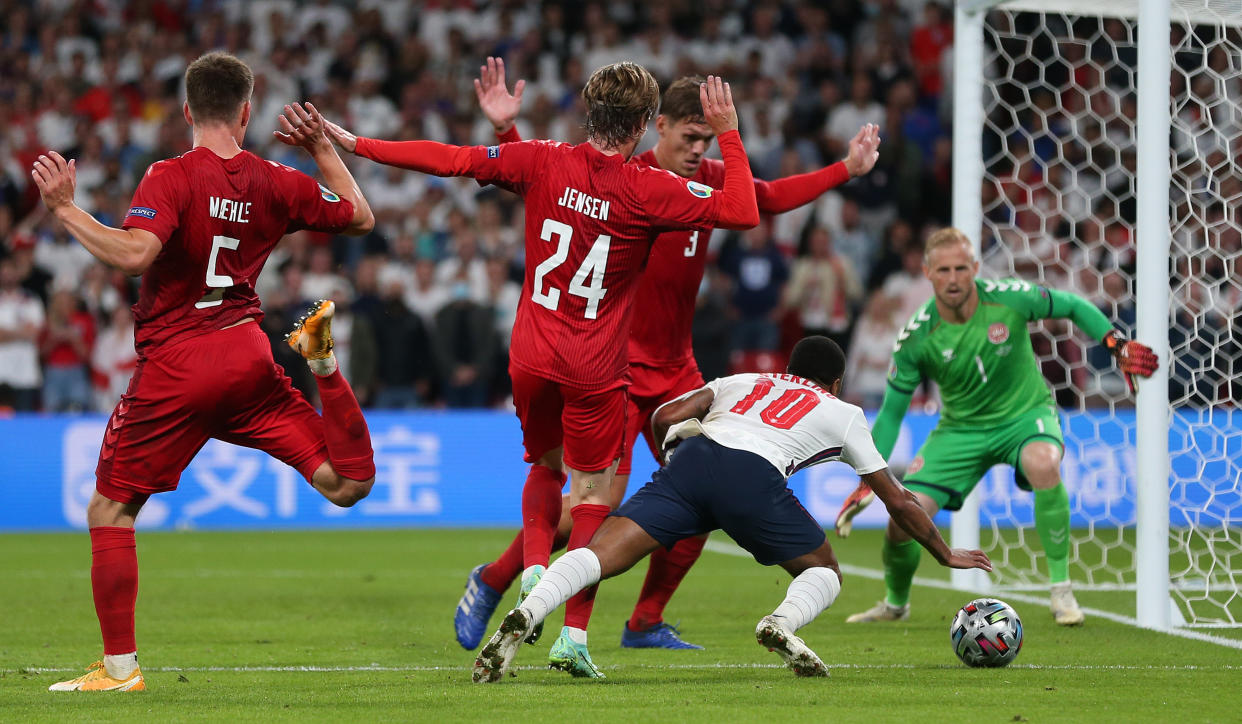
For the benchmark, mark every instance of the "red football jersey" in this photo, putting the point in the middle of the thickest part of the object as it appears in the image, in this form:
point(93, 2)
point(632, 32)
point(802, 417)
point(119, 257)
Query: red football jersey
point(219, 219)
point(664, 306)
point(590, 222)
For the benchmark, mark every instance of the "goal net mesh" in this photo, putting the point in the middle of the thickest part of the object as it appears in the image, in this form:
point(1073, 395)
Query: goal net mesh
point(1059, 209)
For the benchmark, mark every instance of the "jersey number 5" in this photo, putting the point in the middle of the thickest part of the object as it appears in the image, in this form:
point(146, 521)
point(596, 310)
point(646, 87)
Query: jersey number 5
point(217, 283)
point(783, 412)
point(593, 266)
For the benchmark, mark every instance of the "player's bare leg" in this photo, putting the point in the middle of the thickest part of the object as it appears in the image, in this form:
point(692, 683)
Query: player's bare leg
point(618, 545)
point(348, 474)
point(816, 584)
point(590, 498)
point(114, 583)
point(901, 559)
point(1041, 465)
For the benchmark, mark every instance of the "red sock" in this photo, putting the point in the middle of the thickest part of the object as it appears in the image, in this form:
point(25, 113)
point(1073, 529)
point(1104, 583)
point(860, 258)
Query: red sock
point(541, 511)
point(664, 574)
point(114, 582)
point(587, 519)
point(501, 573)
point(344, 429)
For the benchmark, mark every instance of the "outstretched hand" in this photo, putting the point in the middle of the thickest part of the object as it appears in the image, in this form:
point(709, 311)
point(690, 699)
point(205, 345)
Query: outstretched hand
point(499, 106)
point(964, 558)
point(1133, 358)
point(301, 126)
point(56, 179)
point(864, 150)
point(341, 137)
point(717, 100)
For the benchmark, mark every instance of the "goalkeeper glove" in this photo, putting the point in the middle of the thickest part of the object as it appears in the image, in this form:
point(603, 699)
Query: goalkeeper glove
point(859, 499)
point(1133, 358)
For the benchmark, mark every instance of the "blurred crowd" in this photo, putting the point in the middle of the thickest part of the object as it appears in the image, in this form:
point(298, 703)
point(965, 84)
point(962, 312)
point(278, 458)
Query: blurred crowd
point(426, 302)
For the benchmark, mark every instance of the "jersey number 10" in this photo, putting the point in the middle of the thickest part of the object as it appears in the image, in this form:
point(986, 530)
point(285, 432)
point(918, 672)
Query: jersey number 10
point(783, 412)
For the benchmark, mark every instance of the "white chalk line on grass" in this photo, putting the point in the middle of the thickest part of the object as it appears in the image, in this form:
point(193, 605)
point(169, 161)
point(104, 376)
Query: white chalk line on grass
point(656, 667)
point(730, 549)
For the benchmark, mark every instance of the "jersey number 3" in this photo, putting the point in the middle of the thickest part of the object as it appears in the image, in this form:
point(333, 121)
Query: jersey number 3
point(593, 266)
point(217, 283)
point(783, 412)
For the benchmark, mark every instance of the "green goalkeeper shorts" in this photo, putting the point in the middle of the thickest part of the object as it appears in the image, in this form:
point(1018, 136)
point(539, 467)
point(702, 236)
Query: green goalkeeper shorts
point(953, 459)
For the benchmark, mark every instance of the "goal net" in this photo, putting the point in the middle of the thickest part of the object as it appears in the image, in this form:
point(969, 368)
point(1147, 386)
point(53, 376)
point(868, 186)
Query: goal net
point(1059, 207)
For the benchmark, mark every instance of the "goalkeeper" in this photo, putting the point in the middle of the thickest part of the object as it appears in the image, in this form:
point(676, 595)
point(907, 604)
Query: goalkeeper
point(971, 339)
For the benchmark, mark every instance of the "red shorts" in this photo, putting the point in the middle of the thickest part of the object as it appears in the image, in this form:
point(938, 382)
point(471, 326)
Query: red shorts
point(221, 385)
point(650, 388)
point(589, 424)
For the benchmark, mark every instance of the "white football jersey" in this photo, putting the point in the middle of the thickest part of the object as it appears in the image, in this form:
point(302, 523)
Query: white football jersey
point(791, 422)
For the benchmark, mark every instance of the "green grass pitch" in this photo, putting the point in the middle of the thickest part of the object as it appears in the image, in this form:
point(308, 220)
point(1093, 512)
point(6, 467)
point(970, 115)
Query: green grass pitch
point(357, 626)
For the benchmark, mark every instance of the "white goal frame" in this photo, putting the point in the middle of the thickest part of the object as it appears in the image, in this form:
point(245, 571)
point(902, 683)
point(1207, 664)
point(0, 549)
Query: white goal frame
point(1154, 606)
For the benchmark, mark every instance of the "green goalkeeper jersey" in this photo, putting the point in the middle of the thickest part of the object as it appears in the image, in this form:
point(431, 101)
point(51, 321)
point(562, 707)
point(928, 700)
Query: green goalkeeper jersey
point(985, 368)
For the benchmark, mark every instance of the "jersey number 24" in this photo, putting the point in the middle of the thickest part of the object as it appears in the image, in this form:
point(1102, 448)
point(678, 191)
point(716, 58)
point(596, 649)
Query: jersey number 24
point(593, 266)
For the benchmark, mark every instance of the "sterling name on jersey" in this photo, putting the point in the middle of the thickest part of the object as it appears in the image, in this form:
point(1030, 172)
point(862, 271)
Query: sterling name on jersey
point(790, 422)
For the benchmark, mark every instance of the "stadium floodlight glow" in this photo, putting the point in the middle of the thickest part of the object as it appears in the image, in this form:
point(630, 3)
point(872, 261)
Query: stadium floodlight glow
point(1068, 126)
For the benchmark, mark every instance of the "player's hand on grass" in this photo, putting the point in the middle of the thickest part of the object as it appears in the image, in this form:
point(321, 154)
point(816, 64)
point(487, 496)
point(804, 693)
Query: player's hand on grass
point(717, 100)
point(302, 126)
point(864, 150)
point(1133, 358)
point(498, 105)
point(341, 137)
point(56, 179)
point(965, 558)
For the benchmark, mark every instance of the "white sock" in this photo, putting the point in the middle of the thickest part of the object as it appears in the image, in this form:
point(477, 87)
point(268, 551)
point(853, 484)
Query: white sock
point(120, 666)
point(323, 367)
point(570, 573)
point(577, 635)
point(810, 593)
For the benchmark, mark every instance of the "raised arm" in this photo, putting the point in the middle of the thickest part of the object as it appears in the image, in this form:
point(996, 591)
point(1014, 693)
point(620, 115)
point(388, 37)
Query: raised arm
point(498, 105)
point(437, 159)
point(1133, 358)
point(906, 512)
point(130, 250)
point(304, 127)
point(738, 208)
point(785, 194)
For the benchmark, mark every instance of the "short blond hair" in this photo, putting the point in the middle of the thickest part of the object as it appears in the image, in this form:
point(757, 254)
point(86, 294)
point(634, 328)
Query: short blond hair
point(944, 237)
point(621, 99)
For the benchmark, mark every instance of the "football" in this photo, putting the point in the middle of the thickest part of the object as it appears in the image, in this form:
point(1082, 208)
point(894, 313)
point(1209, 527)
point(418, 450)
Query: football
point(986, 633)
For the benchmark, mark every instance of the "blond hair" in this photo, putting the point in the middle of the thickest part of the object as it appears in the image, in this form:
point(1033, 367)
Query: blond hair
point(621, 100)
point(944, 237)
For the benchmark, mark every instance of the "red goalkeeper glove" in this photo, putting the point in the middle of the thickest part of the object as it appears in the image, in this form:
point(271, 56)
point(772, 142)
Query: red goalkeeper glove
point(859, 499)
point(1133, 358)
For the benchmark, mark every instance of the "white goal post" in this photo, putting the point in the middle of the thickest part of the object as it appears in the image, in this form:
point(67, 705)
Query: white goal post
point(1135, 109)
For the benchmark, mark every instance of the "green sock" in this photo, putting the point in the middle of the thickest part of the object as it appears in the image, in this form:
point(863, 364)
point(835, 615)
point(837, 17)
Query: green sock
point(901, 560)
point(1052, 521)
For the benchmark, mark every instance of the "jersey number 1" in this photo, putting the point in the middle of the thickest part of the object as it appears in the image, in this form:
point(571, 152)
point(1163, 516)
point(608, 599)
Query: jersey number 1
point(217, 283)
point(783, 412)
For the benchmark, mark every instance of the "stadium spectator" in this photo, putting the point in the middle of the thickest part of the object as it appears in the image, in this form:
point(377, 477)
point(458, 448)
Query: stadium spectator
point(21, 319)
point(758, 271)
point(65, 348)
point(823, 289)
point(405, 376)
point(465, 347)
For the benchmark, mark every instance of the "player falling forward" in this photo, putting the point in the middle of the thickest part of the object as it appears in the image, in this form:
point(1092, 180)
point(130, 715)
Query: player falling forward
point(972, 340)
point(662, 365)
point(591, 218)
point(199, 229)
point(737, 441)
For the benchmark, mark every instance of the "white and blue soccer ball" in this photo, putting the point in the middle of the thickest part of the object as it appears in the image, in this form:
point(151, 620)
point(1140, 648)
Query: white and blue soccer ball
point(986, 633)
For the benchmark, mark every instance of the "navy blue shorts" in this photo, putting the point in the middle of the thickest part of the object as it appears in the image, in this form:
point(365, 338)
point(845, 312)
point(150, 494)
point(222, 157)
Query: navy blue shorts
point(708, 486)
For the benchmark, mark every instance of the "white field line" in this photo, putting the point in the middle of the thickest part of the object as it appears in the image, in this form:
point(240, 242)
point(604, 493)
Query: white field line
point(658, 667)
point(730, 549)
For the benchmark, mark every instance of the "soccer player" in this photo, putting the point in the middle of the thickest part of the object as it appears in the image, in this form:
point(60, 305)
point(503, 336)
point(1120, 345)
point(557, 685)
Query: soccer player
point(199, 229)
point(971, 339)
point(737, 441)
point(591, 218)
point(661, 358)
